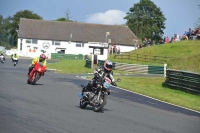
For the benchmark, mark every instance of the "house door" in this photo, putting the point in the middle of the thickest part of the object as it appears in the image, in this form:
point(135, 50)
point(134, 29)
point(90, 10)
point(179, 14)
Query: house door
point(95, 59)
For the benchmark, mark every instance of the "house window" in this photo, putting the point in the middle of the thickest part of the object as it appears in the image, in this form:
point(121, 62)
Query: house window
point(80, 45)
point(56, 43)
point(28, 40)
point(32, 41)
point(98, 51)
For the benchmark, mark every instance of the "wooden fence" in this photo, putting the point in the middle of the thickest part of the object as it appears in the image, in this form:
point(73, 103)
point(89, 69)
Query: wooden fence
point(183, 80)
point(142, 57)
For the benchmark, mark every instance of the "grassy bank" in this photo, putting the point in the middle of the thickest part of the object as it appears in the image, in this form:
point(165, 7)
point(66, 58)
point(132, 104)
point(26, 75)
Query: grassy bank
point(186, 54)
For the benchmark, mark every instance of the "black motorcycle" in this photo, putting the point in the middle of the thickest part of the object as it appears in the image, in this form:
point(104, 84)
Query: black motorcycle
point(15, 61)
point(97, 98)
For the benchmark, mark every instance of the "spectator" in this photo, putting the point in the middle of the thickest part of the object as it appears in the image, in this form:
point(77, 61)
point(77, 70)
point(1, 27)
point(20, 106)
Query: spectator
point(184, 37)
point(110, 50)
point(149, 42)
point(192, 35)
point(172, 39)
point(198, 33)
point(185, 33)
point(176, 38)
point(145, 42)
point(189, 33)
point(114, 49)
point(164, 39)
point(167, 40)
point(118, 50)
point(86, 57)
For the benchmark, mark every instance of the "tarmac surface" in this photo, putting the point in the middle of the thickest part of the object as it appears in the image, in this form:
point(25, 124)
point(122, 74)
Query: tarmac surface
point(52, 106)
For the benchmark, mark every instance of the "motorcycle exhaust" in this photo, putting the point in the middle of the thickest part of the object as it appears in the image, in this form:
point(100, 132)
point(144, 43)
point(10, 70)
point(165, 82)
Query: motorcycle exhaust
point(80, 95)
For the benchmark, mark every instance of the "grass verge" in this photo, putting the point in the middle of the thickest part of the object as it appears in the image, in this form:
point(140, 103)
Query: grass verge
point(153, 87)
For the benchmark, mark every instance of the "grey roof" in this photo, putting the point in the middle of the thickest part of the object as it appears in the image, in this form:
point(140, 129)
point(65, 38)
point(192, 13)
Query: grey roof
point(81, 32)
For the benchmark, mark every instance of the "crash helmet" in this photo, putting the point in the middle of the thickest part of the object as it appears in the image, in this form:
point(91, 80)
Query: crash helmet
point(42, 57)
point(108, 65)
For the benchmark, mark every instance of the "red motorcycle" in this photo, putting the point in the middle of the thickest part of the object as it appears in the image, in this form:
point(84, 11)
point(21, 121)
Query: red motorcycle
point(36, 73)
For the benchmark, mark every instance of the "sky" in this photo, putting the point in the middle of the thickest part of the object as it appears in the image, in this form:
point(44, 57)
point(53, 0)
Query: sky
point(180, 14)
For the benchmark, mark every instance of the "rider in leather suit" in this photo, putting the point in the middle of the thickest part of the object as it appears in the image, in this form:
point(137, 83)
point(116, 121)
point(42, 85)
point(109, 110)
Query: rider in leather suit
point(99, 74)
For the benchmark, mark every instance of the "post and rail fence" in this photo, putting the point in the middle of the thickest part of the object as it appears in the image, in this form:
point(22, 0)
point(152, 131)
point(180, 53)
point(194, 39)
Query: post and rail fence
point(142, 57)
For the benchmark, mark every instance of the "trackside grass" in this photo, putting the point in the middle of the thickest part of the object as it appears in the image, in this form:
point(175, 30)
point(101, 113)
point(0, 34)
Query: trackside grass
point(70, 67)
point(187, 58)
point(153, 87)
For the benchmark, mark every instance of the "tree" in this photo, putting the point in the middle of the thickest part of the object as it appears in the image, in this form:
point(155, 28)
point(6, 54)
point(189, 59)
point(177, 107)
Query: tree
point(146, 20)
point(61, 19)
point(197, 23)
point(67, 19)
point(14, 25)
point(5, 38)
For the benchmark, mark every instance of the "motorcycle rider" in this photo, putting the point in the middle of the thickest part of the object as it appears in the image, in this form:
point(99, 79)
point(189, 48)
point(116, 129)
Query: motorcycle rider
point(99, 74)
point(15, 56)
point(41, 59)
point(2, 56)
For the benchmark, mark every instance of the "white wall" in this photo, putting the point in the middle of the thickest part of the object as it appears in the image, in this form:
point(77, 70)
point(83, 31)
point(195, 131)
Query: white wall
point(70, 48)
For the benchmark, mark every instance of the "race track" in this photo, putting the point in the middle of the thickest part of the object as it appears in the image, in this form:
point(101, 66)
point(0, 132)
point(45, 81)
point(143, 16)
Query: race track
point(52, 106)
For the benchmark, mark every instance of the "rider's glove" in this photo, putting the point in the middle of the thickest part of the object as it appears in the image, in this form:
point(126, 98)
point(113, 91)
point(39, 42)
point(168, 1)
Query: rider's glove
point(114, 84)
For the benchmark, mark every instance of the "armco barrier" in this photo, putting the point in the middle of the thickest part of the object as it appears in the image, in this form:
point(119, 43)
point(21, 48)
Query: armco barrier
point(183, 80)
point(145, 69)
point(66, 56)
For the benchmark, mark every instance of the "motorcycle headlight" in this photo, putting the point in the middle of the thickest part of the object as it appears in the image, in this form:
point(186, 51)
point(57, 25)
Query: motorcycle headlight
point(39, 69)
point(106, 85)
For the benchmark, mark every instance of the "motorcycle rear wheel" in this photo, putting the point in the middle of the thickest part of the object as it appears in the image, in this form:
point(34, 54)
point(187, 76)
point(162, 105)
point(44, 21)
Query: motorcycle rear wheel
point(98, 107)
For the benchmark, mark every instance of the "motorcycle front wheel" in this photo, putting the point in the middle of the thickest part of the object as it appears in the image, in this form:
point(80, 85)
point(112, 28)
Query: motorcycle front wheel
point(83, 104)
point(100, 104)
point(35, 78)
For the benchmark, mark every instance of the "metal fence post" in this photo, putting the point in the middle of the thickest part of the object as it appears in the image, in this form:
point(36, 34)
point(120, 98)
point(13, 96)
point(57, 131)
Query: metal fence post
point(165, 68)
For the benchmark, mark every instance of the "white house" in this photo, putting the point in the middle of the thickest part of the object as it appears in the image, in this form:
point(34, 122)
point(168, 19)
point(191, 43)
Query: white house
point(36, 36)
